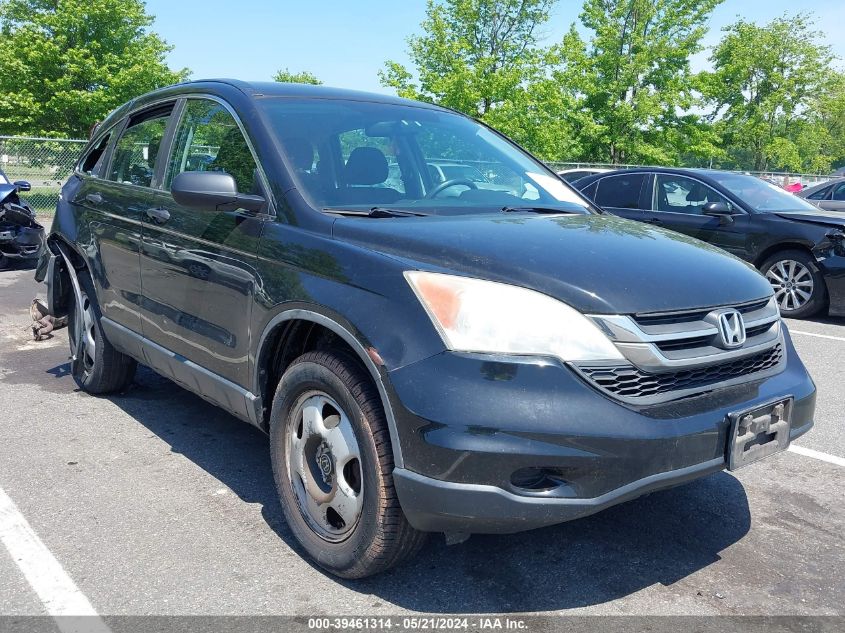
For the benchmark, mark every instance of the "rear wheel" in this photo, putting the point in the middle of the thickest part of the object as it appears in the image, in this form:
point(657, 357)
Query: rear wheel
point(4, 262)
point(333, 465)
point(798, 284)
point(99, 367)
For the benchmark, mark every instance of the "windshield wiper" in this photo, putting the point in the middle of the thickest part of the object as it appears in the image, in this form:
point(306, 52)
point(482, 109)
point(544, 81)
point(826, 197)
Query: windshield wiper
point(376, 212)
point(533, 209)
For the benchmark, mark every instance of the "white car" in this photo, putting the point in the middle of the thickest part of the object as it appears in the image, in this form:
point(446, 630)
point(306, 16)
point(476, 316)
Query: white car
point(571, 175)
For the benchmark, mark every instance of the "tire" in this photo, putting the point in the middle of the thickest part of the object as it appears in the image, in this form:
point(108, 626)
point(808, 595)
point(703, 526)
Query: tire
point(4, 262)
point(798, 284)
point(106, 370)
point(314, 466)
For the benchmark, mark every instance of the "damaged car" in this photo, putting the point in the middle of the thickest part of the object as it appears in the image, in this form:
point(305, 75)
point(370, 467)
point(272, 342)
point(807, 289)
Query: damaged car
point(21, 237)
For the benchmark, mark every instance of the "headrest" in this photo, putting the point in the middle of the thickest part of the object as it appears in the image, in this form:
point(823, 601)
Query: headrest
point(697, 193)
point(300, 151)
point(366, 166)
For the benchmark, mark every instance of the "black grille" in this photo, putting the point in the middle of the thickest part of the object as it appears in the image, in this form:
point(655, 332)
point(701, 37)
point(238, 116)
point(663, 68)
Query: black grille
point(626, 381)
point(693, 315)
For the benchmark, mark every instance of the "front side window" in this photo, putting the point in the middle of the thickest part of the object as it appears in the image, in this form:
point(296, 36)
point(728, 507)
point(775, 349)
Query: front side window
point(679, 194)
point(138, 147)
point(208, 139)
point(357, 155)
point(621, 192)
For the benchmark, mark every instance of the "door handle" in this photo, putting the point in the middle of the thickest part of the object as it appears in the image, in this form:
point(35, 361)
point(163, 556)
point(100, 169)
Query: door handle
point(158, 215)
point(654, 221)
point(94, 198)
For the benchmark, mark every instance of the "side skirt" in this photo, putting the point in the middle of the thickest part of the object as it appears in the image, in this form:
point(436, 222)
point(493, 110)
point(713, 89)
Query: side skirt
point(207, 385)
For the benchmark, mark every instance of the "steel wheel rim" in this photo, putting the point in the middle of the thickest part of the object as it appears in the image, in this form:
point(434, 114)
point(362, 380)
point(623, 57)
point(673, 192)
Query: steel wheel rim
point(85, 321)
point(793, 284)
point(324, 466)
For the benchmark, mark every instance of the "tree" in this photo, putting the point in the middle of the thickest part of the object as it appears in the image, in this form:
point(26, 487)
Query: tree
point(633, 77)
point(68, 63)
point(304, 77)
point(483, 57)
point(827, 113)
point(764, 81)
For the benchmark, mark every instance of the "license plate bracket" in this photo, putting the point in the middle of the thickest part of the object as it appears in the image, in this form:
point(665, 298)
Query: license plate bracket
point(759, 432)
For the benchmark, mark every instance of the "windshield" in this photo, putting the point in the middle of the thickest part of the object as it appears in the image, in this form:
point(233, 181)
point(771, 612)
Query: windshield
point(760, 195)
point(353, 155)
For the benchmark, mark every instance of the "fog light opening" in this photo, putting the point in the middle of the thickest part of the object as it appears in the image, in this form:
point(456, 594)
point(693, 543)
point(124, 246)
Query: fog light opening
point(537, 479)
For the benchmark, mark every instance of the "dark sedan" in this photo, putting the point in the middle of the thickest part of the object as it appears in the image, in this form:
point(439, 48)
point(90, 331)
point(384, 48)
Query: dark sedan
point(800, 249)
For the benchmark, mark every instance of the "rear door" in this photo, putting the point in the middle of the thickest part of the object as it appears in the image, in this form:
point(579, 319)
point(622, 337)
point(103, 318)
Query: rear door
point(677, 203)
point(111, 196)
point(198, 267)
point(622, 194)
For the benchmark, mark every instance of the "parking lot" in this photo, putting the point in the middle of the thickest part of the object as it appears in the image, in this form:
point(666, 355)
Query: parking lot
point(155, 502)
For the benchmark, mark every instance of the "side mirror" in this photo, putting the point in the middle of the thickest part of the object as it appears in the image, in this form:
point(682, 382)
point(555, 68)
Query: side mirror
point(719, 210)
point(211, 190)
point(22, 185)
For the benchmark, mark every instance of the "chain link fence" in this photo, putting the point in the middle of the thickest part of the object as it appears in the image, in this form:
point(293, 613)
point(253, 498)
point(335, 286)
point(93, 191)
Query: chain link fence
point(778, 177)
point(44, 163)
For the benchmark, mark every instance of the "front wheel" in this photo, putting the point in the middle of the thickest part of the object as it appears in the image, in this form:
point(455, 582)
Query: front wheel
point(798, 284)
point(333, 464)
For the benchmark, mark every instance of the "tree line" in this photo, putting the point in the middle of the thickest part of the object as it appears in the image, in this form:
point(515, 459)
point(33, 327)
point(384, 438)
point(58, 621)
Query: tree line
point(617, 87)
point(620, 89)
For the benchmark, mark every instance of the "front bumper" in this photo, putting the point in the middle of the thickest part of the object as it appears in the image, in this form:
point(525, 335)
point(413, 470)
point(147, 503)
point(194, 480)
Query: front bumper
point(22, 242)
point(467, 423)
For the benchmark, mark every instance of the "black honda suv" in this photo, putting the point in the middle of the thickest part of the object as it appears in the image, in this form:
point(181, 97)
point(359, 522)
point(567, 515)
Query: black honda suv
point(426, 355)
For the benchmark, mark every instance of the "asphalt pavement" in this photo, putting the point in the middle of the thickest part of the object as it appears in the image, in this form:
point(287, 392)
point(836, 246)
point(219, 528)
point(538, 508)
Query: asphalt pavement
point(154, 502)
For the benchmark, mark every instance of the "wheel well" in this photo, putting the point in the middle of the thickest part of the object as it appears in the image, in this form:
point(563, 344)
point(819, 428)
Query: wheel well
point(287, 342)
point(63, 286)
point(787, 246)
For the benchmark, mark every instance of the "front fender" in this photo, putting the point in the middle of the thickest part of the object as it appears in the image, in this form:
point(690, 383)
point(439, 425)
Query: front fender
point(352, 337)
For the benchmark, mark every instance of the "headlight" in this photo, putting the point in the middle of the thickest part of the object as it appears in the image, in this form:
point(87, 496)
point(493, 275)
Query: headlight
point(473, 315)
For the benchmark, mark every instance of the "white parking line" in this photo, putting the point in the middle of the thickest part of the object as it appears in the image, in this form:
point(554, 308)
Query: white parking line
point(57, 592)
point(828, 336)
point(809, 452)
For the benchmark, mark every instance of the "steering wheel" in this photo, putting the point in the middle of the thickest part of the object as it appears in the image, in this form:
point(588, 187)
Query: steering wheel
point(443, 186)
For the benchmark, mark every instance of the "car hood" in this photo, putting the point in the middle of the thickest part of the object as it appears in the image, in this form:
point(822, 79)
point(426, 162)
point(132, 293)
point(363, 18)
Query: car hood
point(836, 220)
point(597, 264)
point(6, 191)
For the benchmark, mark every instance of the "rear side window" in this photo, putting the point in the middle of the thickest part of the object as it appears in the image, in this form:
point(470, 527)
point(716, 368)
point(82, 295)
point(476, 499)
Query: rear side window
point(622, 191)
point(821, 194)
point(208, 139)
point(138, 147)
point(93, 160)
point(839, 192)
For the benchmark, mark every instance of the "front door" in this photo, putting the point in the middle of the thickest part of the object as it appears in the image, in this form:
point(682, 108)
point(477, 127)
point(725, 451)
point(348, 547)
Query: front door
point(198, 267)
point(836, 200)
point(678, 204)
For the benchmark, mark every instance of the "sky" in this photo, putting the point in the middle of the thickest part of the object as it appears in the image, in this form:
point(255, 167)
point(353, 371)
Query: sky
point(346, 42)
